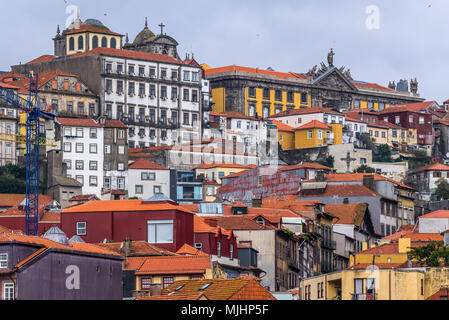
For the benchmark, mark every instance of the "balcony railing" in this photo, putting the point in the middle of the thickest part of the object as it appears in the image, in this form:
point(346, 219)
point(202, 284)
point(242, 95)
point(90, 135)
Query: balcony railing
point(364, 296)
point(327, 267)
point(329, 244)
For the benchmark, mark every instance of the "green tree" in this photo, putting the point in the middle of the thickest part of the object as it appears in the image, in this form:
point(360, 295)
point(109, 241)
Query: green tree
point(12, 179)
point(442, 191)
point(329, 162)
point(419, 159)
point(431, 254)
point(383, 154)
point(364, 169)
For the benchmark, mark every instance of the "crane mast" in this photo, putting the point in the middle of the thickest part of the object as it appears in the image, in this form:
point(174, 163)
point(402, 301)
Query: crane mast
point(34, 114)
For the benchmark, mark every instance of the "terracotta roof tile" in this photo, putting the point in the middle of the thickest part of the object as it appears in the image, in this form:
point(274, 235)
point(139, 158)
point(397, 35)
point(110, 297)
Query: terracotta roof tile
point(146, 164)
point(280, 75)
point(436, 214)
point(282, 126)
point(313, 124)
point(433, 167)
point(43, 242)
point(10, 200)
point(189, 250)
point(342, 190)
point(90, 28)
point(301, 111)
point(122, 205)
point(412, 107)
point(244, 288)
point(78, 122)
point(347, 213)
point(137, 249)
point(43, 58)
point(181, 264)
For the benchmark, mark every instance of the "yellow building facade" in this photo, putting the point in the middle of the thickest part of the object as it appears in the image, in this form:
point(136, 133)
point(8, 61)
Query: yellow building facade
point(312, 135)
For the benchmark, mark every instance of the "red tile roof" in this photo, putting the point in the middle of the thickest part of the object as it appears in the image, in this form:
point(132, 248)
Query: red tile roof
point(436, 214)
point(224, 165)
point(307, 165)
point(244, 288)
point(341, 190)
point(282, 126)
point(114, 124)
point(90, 28)
point(313, 124)
point(123, 205)
point(235, 175)
point(372, 86)
point(201, 226)
point(191, 251)
point(166, 265)
point(352, 214)
point(232, 114)
point(43, 58)
point(11, 199)
point(78, 122)
point(433, 167)
point(44, 200)
point(392, 248)
point(75, 246)
point(294, 112)
point(234, 68)
point(239, 223)
point(136, 249)
point(146, 164)
point(348, 118)
point(411, 107)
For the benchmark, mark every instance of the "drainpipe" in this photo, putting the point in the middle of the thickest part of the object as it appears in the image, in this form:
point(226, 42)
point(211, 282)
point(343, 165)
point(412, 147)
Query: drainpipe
point(389, 284)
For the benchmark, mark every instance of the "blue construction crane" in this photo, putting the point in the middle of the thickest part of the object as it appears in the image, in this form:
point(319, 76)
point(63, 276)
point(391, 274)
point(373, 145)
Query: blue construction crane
point(34, 113)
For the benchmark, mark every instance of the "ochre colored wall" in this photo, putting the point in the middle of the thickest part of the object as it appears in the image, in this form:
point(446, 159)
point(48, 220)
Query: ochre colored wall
point(218, 97)
point(288, 140)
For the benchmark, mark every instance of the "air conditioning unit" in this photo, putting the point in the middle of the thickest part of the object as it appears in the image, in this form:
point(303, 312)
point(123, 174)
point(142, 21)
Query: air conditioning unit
point(152, 76)
point(152, 97)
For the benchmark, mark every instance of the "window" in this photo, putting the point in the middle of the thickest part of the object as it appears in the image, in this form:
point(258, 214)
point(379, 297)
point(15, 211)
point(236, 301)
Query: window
point(198, 245)
point(231, 252)
point(71, 44)
point(93, 165)
point(107, 149)
point(79, 148)
point(160, 231)
point(320, 134)
point(278, 95)
point(121, 134)
point(93, 148)
point(195, 76)
point(358, 286)
point(163, 92)
point(113, 43)
point(421, 120)
point(252, 92)
point(304, 98)
point(67, 147)
point(107, 182)
point(186, 75)
point(266, 94)
point(186, 118)
point(252, 110)
point(370, 285)
point(186, 95)
point(93, 133)
point(104, 42)
point(131, 90)
point(166, 281)
point(148, 176)
point(3, 260)
point(121, 149)
point(81, 228)
point(157, 189)
point(174, 75)
point(139, 189)
point(219, 249)
point(141, 89)
point(290, 96)
point(119, 86)
point(79, 165)
point(145, 283)
point(195, 95)
point(8, 291)
point(309, 134)
point(121, 183)
point(120, 166)
point(93, 181)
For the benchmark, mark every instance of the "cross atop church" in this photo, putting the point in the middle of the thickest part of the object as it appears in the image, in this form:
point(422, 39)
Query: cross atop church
point(162, 27)
point(348, 160)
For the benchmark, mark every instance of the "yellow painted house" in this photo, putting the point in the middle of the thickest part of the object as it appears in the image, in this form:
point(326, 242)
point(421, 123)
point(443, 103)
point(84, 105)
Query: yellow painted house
point(286, 135)
point(378, 273)
point(313, 134)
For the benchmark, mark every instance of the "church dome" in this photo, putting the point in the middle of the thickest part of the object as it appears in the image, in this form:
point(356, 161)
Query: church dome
point(95, 23)
point(144, 35)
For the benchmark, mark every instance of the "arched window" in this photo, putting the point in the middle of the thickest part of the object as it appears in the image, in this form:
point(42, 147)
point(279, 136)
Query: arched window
point(260, 220)
point(104, 42)
point(94, 42)
point(71, 44)
point(113, 43)
point(80, 43)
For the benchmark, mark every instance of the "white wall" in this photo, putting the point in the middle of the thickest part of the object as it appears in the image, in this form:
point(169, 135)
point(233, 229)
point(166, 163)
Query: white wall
point(433, 225)
point(162, 179)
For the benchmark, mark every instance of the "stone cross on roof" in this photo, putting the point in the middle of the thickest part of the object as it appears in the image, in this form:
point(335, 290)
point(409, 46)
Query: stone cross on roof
point(348, 160)
point(162, 27)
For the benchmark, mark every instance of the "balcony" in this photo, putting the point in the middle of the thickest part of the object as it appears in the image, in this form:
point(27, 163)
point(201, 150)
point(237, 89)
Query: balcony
point(329, 244)
point(326, 267)
point(364, 296)
point(329, 140)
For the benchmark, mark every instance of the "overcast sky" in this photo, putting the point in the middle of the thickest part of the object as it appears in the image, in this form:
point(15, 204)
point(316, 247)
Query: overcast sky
point(408, 40)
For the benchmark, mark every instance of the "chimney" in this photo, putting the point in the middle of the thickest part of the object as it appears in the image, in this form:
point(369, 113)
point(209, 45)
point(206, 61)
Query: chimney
point(368, 181)
point(127, 246)
point(320, 176)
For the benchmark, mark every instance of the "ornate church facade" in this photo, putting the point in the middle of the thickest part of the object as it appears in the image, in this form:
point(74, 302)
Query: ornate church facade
point(253, 91)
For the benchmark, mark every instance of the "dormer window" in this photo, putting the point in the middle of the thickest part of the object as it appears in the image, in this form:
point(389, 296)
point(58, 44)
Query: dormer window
point(260, 220)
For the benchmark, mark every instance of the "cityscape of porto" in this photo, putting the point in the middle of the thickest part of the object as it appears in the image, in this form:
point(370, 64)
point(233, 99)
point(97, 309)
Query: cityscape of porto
point(255, 151)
